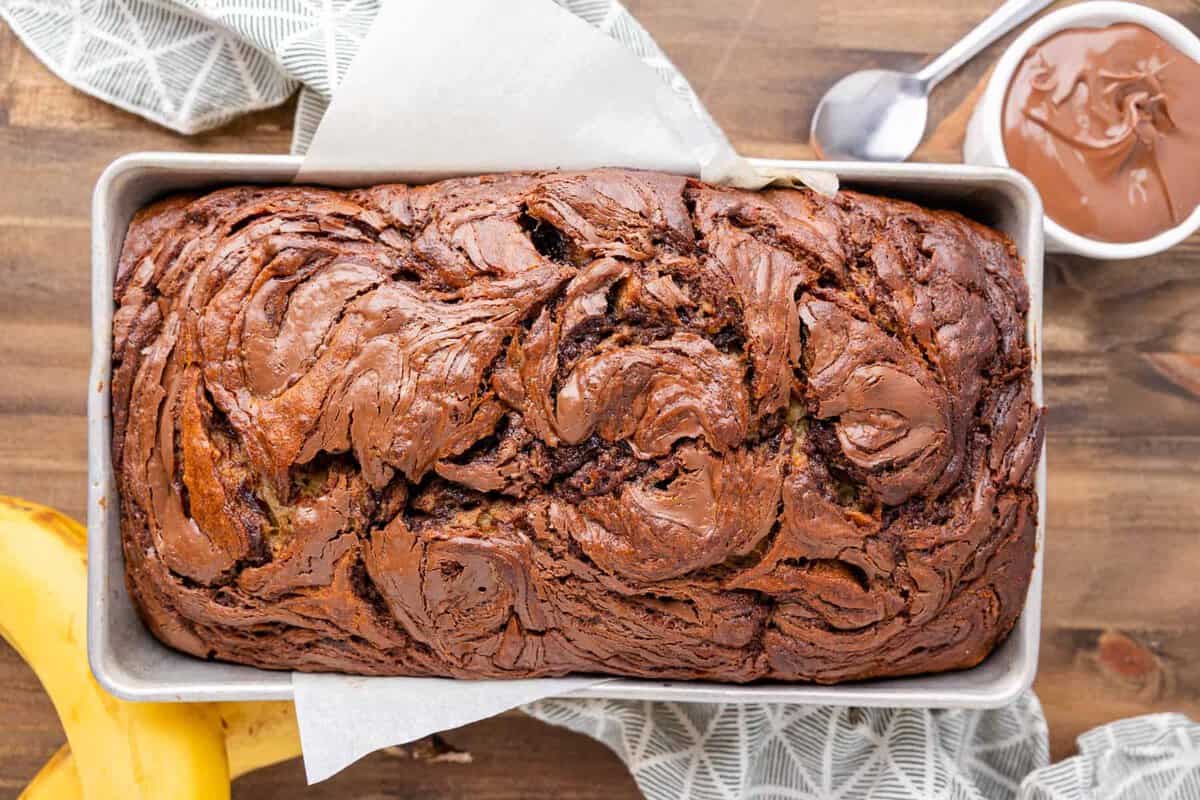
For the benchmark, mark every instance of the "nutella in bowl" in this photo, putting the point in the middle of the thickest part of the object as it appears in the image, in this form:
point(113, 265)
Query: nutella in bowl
point(1106, 123)
point(1096, 104)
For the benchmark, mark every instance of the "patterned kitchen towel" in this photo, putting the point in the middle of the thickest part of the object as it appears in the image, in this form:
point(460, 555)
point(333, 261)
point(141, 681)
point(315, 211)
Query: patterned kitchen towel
point(191, 65)
point(789, 752)
point(779, 752)
point(1154, 757)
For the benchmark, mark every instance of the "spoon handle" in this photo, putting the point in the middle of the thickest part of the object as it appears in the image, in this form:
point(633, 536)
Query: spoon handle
point(1002, 20)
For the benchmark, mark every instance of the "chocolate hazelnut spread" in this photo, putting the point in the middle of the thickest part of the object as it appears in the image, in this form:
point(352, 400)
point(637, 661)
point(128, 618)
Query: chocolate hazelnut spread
point(610, 421)
point(1106, 123)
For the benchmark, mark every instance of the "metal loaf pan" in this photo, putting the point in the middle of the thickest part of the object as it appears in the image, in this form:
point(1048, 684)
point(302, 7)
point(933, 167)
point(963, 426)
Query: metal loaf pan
point(132, 664)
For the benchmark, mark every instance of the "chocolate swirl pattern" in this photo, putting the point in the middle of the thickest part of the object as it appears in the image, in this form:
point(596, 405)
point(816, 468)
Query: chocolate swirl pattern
point(611, 421)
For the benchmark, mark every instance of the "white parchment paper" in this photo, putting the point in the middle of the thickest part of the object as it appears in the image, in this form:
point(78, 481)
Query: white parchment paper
point(343, 718)
point(452, 87)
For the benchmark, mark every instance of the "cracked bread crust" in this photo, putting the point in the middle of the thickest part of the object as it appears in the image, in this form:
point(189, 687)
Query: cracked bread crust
point(609, 421)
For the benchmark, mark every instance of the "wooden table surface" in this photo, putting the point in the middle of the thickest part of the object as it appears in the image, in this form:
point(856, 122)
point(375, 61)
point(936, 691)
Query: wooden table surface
point(1121, 620)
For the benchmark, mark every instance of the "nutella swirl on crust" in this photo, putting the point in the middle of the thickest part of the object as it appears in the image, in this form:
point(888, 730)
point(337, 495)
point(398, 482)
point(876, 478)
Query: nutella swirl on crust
point(611, 421)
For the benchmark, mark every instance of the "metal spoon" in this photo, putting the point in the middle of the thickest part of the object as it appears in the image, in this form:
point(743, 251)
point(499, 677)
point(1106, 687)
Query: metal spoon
point(879, 114)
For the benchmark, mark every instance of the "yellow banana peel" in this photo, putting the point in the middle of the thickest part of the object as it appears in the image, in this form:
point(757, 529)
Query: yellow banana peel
point(257, 735)
point(119, 750)
point(58, 779)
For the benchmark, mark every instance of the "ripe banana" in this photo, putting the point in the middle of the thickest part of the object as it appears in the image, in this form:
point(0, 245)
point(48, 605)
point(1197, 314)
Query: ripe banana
point(124, 751)
point(58, 779)
point(256, 735)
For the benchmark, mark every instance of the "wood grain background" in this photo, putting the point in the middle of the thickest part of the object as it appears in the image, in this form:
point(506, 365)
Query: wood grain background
point(1122, 340)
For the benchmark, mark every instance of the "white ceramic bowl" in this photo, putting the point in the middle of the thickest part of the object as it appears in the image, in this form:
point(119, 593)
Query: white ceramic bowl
point(984, 143)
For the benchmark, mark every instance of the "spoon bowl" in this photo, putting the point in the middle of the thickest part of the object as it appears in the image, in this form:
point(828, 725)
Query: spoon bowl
point(873, 115)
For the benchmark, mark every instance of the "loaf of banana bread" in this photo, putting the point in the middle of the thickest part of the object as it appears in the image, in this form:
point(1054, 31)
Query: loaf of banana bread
point(608, 421)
